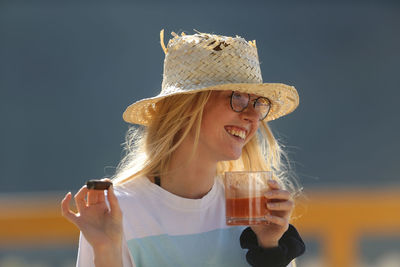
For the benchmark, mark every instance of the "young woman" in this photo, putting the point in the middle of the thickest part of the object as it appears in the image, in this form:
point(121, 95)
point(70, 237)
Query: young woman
point(167, 207)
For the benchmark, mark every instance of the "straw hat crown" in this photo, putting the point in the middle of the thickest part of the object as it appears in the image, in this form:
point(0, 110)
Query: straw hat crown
point(204, 61)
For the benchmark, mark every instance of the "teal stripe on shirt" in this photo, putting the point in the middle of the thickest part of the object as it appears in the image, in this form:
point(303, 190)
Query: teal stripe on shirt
point(219, 247)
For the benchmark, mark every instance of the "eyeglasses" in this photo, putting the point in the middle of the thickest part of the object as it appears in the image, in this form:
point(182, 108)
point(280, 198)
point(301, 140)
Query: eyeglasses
point(240, 101)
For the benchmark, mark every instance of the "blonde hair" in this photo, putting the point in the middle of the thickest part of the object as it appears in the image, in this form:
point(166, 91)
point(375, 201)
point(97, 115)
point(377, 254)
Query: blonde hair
point(149, 149)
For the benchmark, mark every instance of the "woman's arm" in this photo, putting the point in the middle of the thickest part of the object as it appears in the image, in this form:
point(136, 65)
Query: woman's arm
point(277, 242)
point(100, 225)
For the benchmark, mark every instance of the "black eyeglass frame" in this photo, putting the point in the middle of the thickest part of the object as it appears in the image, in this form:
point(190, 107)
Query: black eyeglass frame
point(254, 104)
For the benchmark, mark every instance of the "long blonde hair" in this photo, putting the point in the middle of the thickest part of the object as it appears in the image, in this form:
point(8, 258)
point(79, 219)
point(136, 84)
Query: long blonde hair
point(149, 149)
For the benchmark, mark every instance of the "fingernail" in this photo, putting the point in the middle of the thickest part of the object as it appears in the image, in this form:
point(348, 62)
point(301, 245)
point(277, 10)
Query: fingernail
point(272, 181)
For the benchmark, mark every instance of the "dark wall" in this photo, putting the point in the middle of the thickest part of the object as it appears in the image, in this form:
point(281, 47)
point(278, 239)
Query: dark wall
point(68, 70)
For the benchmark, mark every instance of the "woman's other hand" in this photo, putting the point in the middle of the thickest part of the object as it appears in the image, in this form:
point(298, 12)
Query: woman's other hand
point(101, 225)
point(280, 206)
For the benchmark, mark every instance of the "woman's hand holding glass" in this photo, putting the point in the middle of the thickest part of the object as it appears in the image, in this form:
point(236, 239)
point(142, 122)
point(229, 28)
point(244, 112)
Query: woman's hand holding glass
point(280, 206)
point(101, 225)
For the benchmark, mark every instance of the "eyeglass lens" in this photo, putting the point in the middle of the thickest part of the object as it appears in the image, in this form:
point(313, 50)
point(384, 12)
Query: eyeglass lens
point(240, 101)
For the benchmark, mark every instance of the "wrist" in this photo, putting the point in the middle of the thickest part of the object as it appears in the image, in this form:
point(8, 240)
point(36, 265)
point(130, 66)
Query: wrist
point(108, 256)
point(267, 243)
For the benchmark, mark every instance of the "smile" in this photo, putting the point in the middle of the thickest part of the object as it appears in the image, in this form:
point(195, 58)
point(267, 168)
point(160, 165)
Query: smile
point(237, 132)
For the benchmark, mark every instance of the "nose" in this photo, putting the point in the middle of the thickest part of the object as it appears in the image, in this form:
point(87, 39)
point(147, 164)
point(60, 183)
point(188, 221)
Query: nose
point(250, 114)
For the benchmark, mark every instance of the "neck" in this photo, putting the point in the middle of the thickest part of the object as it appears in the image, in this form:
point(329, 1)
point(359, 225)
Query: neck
point(189, 176)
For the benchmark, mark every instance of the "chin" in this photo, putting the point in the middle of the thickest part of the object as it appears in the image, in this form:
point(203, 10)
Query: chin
point(233, 156)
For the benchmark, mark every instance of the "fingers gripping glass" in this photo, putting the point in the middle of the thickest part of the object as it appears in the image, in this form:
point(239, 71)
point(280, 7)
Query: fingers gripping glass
point(240, 101)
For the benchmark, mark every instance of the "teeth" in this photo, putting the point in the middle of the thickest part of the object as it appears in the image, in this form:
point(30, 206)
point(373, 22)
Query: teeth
point(238, 133)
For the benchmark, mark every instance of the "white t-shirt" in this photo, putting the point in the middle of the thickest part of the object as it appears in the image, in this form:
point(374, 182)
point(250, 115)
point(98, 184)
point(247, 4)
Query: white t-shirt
point(162, 229)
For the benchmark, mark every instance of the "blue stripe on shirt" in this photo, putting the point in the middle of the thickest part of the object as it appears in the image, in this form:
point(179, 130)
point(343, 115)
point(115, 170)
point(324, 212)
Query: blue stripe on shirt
point(219, 247)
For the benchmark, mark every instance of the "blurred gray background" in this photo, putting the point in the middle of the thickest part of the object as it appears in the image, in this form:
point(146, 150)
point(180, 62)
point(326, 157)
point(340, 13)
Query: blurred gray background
point(69, 69)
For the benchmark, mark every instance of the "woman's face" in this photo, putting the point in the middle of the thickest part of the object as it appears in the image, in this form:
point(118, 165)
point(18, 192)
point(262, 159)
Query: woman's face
point(224, 132)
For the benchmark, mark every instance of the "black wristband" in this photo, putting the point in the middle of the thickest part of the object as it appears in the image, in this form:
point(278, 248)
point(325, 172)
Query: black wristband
point(290, 246)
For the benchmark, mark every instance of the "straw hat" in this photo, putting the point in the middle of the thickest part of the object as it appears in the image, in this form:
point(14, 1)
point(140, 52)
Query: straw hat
point(201, 62)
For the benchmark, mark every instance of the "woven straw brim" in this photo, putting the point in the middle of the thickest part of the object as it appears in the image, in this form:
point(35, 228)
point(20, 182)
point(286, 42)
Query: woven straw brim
point(284, 99)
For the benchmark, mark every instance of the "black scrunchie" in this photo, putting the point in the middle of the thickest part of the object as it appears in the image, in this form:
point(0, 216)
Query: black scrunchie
point(290, 246)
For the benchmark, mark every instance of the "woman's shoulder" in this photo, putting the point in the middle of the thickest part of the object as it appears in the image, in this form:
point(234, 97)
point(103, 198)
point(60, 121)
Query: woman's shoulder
point(132, 188)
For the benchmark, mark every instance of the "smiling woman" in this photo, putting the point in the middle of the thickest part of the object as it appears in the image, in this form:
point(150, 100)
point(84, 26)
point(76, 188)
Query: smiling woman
point(168, 205)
